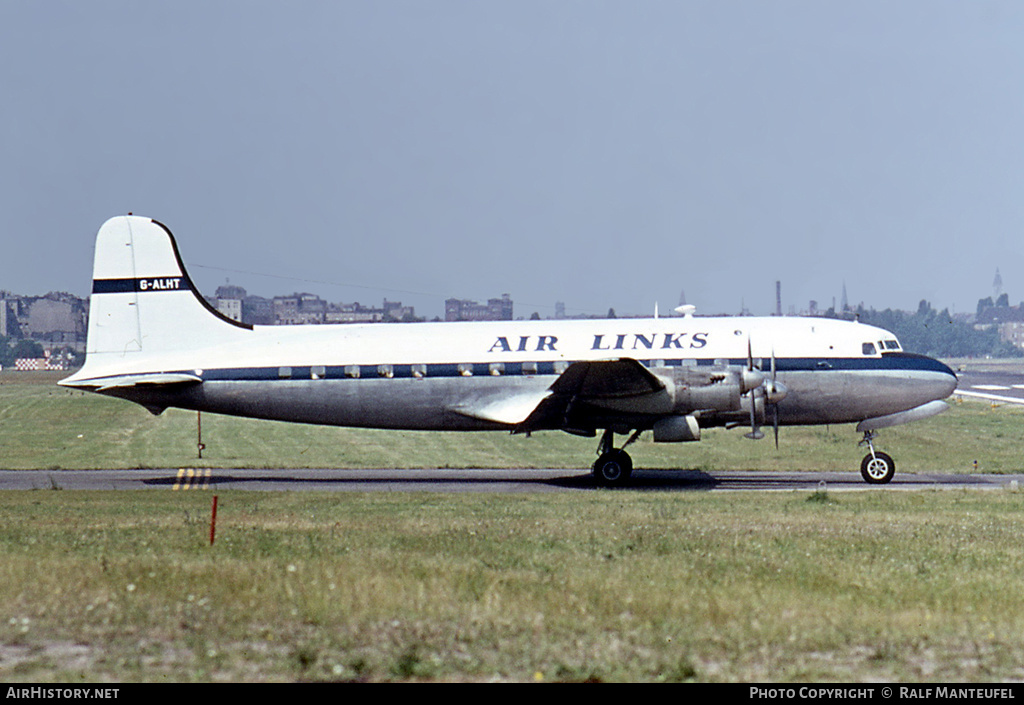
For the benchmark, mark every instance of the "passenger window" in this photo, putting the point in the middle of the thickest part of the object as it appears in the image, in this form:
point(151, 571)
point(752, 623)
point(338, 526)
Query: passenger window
point(868, 348)
point(497, 369)
point(529, 368)
point(385, 371)
point(318, 372)
point(419, 371)
point(352, 371)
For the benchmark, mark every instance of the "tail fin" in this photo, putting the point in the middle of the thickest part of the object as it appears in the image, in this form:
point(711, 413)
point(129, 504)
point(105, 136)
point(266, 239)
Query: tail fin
point(143, 302)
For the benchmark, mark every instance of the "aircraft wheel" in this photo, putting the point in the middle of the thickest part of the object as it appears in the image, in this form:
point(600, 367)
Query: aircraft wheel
point(877, 469)
point(613, 468)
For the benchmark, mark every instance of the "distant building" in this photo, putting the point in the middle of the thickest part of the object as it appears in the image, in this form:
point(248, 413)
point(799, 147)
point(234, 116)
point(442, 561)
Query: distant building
point(465, 310)
point(232, 308)
point(1012, 332)
point(8, 315)
point(229, 301)
point(353, 313)
point(55, 320)
point(302, 309)
point(1008, 320)
point(391, 311)
point(257, 311)
point(299, 309)
point(229, 291)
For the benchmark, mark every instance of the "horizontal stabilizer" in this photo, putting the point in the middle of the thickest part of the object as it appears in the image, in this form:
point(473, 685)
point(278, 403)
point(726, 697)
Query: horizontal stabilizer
point(123, 381)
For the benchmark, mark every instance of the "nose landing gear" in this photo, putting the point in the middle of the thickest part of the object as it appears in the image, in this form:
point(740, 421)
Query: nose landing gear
point(877, 468)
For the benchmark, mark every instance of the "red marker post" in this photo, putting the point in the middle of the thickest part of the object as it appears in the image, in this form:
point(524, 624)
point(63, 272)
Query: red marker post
point(213, 520)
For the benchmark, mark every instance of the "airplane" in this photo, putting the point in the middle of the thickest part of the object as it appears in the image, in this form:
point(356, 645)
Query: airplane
point(154, 340)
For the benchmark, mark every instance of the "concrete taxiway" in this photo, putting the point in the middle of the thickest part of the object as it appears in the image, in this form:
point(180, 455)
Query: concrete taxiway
point(484, 480)
point(995, 386)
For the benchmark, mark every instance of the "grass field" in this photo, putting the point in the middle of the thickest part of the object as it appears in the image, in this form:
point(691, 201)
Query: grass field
point(873, 585)
point(600, 586)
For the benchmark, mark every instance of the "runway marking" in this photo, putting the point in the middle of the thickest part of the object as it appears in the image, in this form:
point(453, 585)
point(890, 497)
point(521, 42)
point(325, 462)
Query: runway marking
point(192, 479)
point(991, 397)
point(991, 387)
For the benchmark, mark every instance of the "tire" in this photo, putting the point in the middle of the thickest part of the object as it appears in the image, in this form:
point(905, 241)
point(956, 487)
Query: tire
point(613, 469)
point(877, 469)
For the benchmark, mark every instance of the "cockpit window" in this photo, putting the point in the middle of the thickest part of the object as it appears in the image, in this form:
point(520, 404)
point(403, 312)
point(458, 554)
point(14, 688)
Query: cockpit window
point(892, 345)
point(868, 348)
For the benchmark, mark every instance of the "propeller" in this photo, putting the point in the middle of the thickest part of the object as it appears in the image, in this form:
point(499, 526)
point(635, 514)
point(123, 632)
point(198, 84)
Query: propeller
point(771, 391)
point(754, 386)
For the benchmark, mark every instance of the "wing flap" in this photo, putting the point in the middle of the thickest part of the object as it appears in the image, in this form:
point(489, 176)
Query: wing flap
point(511, 410)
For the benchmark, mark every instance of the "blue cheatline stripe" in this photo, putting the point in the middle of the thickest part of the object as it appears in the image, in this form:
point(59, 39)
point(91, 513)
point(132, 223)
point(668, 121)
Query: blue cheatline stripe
point(147, 284)
point(889, 362)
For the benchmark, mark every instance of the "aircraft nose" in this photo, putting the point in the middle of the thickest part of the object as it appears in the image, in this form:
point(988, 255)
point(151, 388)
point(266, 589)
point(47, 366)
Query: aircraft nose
point(944, 380)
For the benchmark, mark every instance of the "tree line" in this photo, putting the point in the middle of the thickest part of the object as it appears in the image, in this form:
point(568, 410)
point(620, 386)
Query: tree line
point(12, 349)
point(938, 334)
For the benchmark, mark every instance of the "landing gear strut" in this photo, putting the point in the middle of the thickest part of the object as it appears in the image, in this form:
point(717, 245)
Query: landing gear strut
point(877, 468)
point(613, 466)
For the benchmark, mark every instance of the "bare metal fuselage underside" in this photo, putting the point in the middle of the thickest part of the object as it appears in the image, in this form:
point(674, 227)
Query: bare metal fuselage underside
point(814, 397)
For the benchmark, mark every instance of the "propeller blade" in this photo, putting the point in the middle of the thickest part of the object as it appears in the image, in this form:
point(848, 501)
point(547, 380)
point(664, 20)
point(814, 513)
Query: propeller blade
point(755, 432)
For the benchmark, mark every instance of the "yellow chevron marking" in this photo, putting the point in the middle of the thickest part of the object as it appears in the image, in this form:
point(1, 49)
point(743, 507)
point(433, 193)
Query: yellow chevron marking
point(192, 479)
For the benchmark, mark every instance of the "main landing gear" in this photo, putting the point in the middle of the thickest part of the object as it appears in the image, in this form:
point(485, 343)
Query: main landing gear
point(877, 468)
point(613, 466)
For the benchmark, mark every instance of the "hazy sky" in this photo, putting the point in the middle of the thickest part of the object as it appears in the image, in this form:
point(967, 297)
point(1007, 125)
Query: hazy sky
point(603, 154)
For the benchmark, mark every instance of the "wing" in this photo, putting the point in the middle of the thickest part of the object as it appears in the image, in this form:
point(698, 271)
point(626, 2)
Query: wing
point(584, 393)
point(607, 380)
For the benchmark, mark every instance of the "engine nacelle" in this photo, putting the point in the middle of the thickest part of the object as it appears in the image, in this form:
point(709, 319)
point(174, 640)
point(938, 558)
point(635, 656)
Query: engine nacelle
point(705, 390)
point(676, 429)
